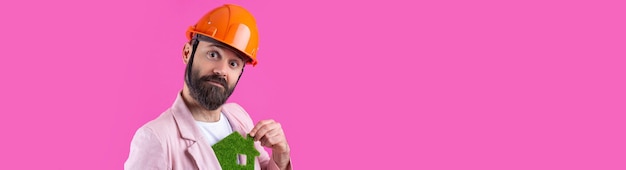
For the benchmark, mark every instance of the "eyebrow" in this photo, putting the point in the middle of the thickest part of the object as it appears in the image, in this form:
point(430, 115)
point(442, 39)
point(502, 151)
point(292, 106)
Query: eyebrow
point(216, 45)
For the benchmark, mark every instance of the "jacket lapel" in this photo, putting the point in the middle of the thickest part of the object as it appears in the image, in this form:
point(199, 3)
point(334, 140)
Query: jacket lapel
point(198, 148)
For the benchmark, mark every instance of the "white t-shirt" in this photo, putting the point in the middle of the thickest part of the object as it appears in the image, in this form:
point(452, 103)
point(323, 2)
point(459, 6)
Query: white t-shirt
point(215, 131)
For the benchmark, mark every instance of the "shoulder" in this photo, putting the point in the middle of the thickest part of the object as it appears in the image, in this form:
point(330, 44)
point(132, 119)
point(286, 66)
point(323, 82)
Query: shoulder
point(159, 127)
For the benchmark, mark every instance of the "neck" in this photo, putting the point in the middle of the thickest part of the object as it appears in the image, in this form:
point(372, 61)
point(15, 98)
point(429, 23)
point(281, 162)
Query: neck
point(198, 112)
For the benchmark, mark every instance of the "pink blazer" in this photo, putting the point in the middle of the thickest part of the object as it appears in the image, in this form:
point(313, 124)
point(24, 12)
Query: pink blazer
point(173, 142)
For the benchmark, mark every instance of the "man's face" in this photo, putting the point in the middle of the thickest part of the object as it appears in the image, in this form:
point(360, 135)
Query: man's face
point(214, 74)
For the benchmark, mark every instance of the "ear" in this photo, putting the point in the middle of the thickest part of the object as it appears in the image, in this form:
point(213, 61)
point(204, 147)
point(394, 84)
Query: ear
point(186, 52)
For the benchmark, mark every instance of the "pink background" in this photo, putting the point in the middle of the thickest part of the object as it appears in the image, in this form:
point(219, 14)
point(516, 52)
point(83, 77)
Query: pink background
point(486, 84)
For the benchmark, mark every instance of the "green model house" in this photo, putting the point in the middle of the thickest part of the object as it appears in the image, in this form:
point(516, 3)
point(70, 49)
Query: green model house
point(231, 147)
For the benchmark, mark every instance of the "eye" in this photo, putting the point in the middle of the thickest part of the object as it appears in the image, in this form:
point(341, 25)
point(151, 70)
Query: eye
point(234, 63)
point(213, 54)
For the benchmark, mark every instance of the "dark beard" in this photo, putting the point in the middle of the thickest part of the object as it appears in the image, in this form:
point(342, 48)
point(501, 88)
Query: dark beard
point(208, 95)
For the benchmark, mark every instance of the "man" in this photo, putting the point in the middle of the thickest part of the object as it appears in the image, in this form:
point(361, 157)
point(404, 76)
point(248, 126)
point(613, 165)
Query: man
point(222, 42)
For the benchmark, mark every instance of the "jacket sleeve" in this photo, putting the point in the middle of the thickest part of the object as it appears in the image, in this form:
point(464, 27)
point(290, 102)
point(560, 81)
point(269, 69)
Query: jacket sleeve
point(146, 152)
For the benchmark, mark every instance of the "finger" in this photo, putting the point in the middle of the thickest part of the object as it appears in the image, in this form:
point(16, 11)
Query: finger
point(273, 137)
point(271, 141)
point(260, 134)
point(272, 133)
point(263, 130)
point(259, 125)
point(276, 130)
point(265, 143)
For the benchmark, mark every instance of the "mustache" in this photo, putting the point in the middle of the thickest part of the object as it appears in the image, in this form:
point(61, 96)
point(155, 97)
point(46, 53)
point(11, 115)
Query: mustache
point(215, 78)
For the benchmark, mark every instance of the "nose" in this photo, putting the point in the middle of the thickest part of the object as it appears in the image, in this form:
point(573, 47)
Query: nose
point(221, 69)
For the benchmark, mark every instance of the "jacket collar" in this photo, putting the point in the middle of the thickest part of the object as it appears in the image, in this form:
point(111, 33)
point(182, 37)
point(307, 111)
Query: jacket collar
point(184, 119)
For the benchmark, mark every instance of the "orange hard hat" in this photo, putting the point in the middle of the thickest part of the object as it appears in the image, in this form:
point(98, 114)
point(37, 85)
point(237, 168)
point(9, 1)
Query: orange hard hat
point(232, 25)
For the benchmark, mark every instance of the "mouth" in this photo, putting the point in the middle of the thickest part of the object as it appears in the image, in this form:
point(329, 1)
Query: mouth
point(216, 83)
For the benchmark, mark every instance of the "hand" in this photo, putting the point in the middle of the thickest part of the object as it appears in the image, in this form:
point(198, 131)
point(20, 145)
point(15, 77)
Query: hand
point(271, 135)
